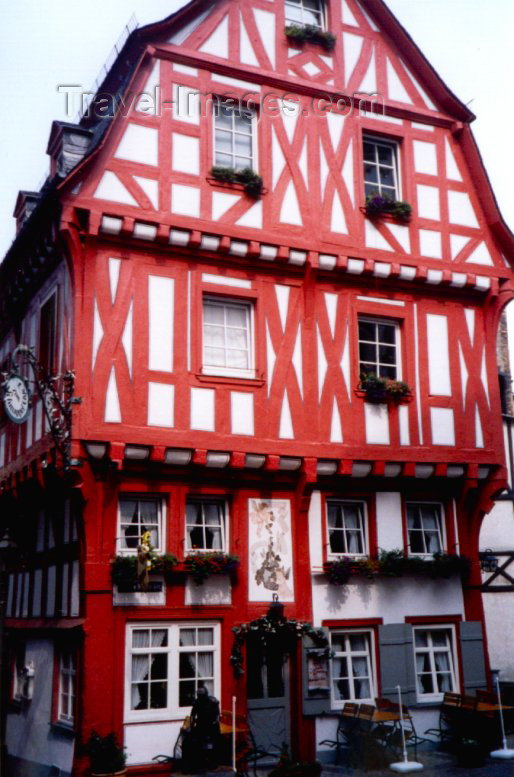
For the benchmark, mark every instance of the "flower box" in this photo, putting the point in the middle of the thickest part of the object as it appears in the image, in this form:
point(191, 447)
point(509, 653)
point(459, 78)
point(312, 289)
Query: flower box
point(308, 33)
point(377, 390)
point(378, 205)
point(201, 565)
point(247, 178)
point(395, 563)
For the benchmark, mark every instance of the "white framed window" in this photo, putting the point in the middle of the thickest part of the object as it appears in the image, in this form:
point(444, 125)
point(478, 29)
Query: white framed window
point(381, 167)
point(305, 12)
point(166, 664)
point(138, 514)
point(435, 658)
point(67, 685)
point(347, 528)
point(206, 527)
point(234, 131)
point(352, 667)
point(425, 528)
point(228, 347)
point(379, 348)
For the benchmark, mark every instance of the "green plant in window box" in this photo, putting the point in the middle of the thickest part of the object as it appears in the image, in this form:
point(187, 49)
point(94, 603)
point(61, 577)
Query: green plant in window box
point(106, 756)
point(251, 181)
point(381, 389)
point(377, 205)
point(394, 563)
point(309, 33)
point(124, 569)
point(202, 565)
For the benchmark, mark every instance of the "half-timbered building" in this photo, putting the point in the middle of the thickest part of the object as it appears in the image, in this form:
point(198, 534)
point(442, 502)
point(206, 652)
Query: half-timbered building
point(270, 254)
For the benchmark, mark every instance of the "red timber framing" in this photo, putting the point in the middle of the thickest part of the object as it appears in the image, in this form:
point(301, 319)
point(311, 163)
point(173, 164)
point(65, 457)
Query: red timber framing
point(217, 341)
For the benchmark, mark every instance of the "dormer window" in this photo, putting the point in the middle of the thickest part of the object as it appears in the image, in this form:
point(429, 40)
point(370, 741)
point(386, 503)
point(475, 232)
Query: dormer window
point(305, 12)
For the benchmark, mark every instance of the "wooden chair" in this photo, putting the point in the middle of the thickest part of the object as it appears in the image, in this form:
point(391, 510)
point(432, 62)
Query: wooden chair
point(247, 753)
point(412, 739)
point(448, 716)
point(347, 723)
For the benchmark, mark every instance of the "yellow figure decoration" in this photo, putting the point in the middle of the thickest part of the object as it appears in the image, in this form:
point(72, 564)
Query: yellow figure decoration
point(144, 560)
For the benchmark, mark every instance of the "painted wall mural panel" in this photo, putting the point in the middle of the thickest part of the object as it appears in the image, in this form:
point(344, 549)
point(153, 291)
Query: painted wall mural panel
point(270, 550)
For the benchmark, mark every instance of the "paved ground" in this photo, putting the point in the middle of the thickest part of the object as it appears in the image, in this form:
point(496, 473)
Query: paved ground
point(436, 764)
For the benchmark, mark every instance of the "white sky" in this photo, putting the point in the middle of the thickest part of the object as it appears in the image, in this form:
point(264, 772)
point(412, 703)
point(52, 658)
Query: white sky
point(44, 43)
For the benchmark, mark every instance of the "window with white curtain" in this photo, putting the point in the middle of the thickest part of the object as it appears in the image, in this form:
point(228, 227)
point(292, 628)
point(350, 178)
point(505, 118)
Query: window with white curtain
point(305, 12)
point(346, 525)
point(351, 667)
point(425, 528)
point(167, 664)
point(205, 525)
point(227, 337)
point(434, 652)
point(138, 514)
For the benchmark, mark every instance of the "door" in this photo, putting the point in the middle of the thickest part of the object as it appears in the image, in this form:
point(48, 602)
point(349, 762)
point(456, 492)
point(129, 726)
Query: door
point(267, 688)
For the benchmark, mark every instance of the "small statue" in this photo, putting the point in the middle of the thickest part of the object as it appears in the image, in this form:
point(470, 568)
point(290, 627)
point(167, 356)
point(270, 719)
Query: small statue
point(144, 560)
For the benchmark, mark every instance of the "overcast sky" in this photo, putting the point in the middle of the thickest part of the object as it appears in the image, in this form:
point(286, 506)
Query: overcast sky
point(44, 43)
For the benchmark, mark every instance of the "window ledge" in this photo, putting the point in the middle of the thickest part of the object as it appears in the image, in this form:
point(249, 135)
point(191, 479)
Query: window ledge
point(60, 727)
point(386, 217)
point(238, 187)
point(384, 400)
point(238, 380)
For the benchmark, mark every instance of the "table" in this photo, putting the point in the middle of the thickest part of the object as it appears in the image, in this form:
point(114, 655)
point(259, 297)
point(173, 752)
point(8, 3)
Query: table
point(484, 706)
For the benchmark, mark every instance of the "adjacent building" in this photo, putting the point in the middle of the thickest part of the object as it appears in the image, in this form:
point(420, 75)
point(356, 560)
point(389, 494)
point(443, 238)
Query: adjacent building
point(262, 299)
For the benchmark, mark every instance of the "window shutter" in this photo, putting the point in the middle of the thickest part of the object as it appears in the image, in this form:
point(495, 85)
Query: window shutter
point(397, 662)
point(472, 653)
point(315, 691)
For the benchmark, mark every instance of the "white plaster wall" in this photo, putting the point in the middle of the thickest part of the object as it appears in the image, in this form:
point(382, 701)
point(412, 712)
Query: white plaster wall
point(390, 599)
point(438, 355)
point(497, 530)
point(499, 621)
point(145, 740)
point(389, 520)
point(213, 591)
point(316, 536)
point(29, 735)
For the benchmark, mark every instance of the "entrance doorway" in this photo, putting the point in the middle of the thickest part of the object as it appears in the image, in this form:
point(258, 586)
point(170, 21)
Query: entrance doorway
point(268, 695)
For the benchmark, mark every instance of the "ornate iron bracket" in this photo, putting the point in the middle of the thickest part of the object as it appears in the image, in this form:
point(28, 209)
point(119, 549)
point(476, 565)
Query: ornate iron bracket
point(57, 405)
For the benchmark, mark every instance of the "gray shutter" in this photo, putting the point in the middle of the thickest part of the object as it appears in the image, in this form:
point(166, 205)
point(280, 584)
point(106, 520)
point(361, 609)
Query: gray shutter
point(472, 654)
point(315, 701)
point(397, 662)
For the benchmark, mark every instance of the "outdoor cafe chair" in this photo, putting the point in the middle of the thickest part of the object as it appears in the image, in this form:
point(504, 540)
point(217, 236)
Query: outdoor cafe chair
point(448, 713)
point(346, 725)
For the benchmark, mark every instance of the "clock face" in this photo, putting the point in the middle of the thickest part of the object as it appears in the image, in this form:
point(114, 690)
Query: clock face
point(16, 399)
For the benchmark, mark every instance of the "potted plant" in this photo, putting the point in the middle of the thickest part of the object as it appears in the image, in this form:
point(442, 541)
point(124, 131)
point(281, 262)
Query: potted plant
point(470, 752)
point(287, 767)
point(106, 756)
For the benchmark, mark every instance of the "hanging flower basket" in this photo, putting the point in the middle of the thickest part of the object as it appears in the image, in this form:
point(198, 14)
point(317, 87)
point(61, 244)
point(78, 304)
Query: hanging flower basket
point(377, 205)
point(308, 33)
point(279, 630)
point(203, 565)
